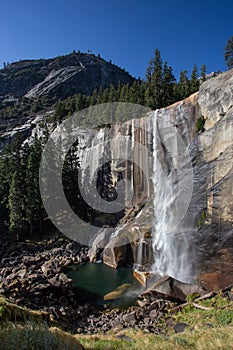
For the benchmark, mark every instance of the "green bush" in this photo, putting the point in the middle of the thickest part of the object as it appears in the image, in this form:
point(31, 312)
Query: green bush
point(200, 124)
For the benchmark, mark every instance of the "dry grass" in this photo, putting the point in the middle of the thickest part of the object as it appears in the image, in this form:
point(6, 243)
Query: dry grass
point(12, 312)
point(202, 339)
point(210, 329)
point(34, 336)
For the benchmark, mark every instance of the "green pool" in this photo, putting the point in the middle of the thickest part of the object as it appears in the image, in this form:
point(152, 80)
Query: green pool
point(92, 281)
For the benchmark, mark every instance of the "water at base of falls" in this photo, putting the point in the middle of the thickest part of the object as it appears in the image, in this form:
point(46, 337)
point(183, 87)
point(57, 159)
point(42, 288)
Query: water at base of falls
point(91, 281)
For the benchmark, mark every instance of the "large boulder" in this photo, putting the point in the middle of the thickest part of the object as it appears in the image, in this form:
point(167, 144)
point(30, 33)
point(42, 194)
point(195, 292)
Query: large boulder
point(172, 288)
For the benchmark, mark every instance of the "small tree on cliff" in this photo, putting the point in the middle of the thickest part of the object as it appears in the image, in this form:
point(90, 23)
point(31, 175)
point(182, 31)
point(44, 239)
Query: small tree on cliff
point(229, 53)
point(194, 82)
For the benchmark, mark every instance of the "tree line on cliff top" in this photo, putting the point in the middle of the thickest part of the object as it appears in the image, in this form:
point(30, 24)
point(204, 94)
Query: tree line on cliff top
point(159, 89)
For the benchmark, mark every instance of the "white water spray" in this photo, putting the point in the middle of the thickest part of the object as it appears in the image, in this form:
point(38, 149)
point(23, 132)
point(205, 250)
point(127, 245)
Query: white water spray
point(172, 180)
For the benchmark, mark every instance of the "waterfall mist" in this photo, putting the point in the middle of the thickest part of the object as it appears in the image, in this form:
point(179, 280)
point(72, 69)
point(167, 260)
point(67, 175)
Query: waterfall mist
point(173, 185)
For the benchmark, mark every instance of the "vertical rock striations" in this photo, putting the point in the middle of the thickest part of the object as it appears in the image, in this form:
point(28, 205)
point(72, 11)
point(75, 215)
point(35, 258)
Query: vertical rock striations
point(207, 225)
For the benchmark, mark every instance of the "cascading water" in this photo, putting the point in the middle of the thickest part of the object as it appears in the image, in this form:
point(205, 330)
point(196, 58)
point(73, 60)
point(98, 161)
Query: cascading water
point(172, 180)
point(139, 254)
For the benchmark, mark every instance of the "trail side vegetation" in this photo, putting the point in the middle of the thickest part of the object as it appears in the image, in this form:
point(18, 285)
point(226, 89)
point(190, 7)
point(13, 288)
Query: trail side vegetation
point(209, 325)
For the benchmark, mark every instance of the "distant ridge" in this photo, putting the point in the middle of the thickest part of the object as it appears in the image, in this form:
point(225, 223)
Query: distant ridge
point(60, 77)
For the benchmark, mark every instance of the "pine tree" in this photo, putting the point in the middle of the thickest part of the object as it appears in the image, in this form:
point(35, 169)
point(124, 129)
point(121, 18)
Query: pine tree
point(156, 79)
point(112, 94)
point(149, 96)
point(33, 199)
point(105, 96)
point(60, 111)
point(80, 102)
point(10, 163)
point(100, 95)
point(203, 72)
point(16, 204)
point(228, 55)
point(93, 98)
point(194, 82)
point(149, 72)
point(183, 87)
point(5, 181)
point(168, 81)
point(124, 93)
point(70, 173)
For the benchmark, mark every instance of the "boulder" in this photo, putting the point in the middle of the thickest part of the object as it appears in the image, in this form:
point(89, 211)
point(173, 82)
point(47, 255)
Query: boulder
point(180, 327)
point(172, 288)
point(51, 267)
point(60, 280)
point(118, 293)
point(130, 317)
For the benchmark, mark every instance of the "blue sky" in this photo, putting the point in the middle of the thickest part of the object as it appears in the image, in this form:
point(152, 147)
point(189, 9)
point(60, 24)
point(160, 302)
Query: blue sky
point(125, 31)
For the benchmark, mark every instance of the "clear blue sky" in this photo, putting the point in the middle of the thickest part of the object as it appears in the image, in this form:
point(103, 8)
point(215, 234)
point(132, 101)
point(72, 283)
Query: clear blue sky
point(126, 31)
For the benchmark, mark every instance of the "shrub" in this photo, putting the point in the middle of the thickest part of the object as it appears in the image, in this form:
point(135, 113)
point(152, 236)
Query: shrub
point(200, 124)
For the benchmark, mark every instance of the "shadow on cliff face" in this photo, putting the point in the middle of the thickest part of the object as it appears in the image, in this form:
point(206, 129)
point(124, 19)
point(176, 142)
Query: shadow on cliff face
point(215, 257)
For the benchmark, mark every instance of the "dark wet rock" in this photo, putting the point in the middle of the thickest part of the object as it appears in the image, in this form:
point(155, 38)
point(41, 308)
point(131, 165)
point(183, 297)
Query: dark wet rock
point(180, 327)
point(124, 337)
point(130, 317)
point(208, 325)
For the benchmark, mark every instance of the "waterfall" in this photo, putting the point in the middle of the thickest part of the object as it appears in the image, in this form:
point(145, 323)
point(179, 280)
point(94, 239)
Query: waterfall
point(172, 182)
point(139, 254)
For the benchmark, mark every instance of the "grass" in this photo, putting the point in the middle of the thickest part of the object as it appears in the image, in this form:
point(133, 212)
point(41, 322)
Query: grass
point(220, 313)
point(209, 329)
point(36, 336)
point(12, 312)
point(202, 339)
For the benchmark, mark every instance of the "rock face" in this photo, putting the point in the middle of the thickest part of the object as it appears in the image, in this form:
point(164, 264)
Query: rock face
point(60, 77)
point(209, 219)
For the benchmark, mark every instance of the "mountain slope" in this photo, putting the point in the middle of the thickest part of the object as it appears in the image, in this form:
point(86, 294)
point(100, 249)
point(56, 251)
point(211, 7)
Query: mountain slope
point(60, 77)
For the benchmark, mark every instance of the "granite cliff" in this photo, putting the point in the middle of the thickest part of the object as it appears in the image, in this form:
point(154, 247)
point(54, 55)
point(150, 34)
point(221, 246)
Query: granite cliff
point(201, 245)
